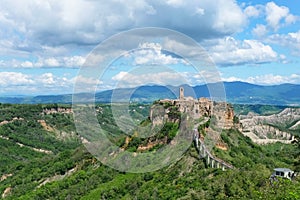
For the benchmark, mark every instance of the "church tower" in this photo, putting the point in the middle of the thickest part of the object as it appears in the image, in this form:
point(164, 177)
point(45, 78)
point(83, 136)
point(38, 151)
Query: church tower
point(181, 93)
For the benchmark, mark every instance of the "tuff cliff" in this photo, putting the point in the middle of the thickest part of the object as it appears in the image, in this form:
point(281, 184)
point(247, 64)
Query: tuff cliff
point(170, 109)
point(272, 128)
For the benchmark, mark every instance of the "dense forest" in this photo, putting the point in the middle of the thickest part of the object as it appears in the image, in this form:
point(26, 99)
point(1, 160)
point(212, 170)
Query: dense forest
point(42, 157)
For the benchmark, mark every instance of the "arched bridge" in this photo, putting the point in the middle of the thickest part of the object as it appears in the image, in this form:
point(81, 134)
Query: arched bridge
point(204, 153)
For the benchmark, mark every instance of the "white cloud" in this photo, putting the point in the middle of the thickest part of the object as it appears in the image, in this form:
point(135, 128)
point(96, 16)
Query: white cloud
point(200, 11)
point(290, 41)
point(14, 78)
point(268, 79)
point(275, 14)
point(232, 79)
point(49, 83)
point(26, 64)
point(47, 79)
point(51, 62)
point(291, 19)
point(253, 11)
point(87, 80)
point(10, 82)
point(71, 61)
point(229, 51)
point(49, 31)
point(228, 15)
point(46, 83)
point(175, 3)
point(86, 84)
point(133, 79)
point(59, 22)
point(120, 76)
point(204, 76)
point(151, 54)
point(181, 48)
point(260, 30)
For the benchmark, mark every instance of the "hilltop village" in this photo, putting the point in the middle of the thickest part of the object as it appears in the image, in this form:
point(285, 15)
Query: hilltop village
point(197, 108)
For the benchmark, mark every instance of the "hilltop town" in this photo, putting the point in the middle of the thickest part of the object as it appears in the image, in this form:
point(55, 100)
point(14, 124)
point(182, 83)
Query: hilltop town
point(197, 108)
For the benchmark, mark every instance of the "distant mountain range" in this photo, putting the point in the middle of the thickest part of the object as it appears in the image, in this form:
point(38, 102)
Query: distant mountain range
point(236, 92)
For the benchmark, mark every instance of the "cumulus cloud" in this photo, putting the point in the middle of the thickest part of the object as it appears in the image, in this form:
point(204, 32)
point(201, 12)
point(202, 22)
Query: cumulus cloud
point(290, 41)
point(260, 30)
point(204, 76)
point(276, 16)
point(166, 77)
point(133, 79)
point(86, 84)
point(14, 78)
point(152, 54)
point(58, 22)
point(253, 11)
point(226, 51)
point(229, 51)
point(46, 83)
point(51, 30)
point(10, 82)
point(87, 80)
point(47, 79)
point(65, 61)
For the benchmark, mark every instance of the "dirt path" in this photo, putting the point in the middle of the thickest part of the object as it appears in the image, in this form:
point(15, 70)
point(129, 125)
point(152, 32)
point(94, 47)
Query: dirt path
point(23, 145)
point(57, 177)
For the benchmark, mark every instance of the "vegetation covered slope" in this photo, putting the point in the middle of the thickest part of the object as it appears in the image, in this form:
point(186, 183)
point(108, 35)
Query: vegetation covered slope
point(70, 172)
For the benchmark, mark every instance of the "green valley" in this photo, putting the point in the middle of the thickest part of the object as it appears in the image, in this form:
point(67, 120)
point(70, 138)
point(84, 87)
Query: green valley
point(66, 170)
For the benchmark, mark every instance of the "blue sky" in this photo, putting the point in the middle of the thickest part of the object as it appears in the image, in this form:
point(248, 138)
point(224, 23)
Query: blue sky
point(43, 44)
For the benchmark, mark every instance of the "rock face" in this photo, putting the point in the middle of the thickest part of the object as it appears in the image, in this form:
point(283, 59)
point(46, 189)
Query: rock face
point(225, 114)
point(272, 128)
point(5, 176)
point(158, 115)
point(196, 108)
point(6, 192)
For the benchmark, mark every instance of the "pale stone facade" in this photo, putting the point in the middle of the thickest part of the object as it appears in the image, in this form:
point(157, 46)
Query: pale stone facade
point(197, 108)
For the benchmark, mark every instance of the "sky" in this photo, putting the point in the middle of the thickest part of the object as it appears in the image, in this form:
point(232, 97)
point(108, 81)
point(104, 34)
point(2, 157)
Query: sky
point(45, 44)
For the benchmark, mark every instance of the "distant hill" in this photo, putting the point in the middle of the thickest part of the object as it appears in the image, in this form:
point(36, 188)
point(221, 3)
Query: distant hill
point(236, 92)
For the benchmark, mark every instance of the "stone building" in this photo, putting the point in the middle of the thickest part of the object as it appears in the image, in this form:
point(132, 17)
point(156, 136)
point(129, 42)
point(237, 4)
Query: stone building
point(197, 108)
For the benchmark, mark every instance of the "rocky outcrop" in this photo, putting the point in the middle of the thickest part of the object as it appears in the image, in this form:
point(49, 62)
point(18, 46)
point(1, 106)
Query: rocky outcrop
point(11, 121)
point(151, 144)
point(224, 115)
point(158, 114)
point(295, 126)
point(6, 192)
point(5, 176)
point(45, 126)
point(265, 129)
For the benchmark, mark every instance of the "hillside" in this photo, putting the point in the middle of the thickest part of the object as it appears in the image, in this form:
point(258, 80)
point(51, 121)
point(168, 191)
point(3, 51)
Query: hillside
point(70, 172)
point(236, 92)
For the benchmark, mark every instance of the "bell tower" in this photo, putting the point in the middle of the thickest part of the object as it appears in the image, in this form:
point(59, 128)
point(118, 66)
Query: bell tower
point(181, 93)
